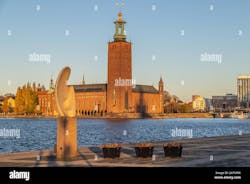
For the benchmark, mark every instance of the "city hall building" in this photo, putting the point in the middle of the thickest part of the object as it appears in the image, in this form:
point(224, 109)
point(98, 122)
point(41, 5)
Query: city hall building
point(120, 94)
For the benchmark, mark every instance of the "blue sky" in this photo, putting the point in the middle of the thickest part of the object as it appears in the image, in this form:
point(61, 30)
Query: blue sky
point(155, 28)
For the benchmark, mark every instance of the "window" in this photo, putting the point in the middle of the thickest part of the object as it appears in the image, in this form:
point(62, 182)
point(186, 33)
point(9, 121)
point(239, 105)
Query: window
point(126, 100)
point(119, 30)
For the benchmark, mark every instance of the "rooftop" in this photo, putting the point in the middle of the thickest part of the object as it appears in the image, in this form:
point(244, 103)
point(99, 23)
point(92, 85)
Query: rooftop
point(90, 88)
point(244, 77)
point(103, 88)
point(145, 89)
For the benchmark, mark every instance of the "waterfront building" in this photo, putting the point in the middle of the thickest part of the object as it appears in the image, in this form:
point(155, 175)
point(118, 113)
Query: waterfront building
point(226, 103)
point(10, 100)
point(120, 94)
point(209, 105)
point(198, 103)
point(1, 103)
point(243, 90)
point(11, 103)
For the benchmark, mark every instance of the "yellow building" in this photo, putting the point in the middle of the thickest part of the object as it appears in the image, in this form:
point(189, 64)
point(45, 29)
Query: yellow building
point(199, 103)
point(11, 102)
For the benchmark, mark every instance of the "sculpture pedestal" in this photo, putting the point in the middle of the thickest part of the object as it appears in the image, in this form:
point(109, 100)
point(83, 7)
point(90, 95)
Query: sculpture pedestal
point(66, 146)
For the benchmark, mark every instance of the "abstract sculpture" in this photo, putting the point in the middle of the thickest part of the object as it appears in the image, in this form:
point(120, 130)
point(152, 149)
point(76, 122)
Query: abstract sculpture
point(66, 146)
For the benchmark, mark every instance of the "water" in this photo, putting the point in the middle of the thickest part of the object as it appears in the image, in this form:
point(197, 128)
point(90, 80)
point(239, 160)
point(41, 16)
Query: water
point(40, 134)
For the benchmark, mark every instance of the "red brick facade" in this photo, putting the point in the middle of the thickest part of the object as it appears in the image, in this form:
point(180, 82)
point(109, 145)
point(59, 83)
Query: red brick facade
point(46, 103)
point(119, 67)
point(90, 103)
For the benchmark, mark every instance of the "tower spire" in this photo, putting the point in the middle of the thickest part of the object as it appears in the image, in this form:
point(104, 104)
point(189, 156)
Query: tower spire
point(51, 85)
point(120, 35)
point(161, 85)
point(161, 79)
point(83, 80)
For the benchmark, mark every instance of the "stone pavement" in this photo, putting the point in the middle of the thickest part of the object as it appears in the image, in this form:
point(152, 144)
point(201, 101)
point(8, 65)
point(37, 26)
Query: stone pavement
point(226, 151)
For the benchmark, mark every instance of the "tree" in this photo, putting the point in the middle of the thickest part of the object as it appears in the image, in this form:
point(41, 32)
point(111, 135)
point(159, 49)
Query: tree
point(185, 108)
point(20, 103)
point(26, 99)
point(5, 105)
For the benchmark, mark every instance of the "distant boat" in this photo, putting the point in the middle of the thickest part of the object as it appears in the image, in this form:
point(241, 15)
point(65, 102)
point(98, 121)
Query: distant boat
point(241, 116)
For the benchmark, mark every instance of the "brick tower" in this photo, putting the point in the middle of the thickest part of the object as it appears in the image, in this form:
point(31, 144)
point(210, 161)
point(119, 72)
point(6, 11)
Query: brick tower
point(119, 89)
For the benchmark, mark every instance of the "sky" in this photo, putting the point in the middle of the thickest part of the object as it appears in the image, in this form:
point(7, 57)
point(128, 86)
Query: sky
point(198, 47)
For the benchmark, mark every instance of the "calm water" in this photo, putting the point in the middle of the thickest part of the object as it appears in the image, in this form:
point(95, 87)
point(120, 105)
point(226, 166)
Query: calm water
point(40, 134)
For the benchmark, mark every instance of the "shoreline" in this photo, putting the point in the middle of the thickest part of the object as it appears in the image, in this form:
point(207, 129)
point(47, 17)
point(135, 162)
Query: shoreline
point(121, 116)
point(226, 151)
